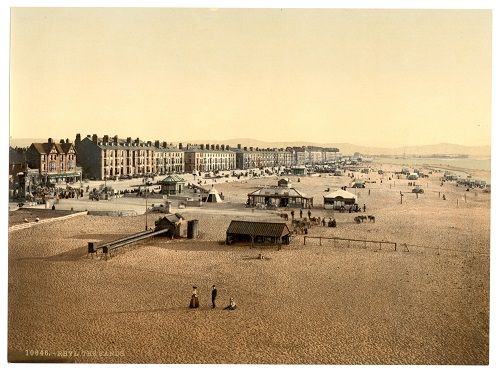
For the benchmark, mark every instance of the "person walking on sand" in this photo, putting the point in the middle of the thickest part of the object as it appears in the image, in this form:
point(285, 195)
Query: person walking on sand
point(214, 296)
point(300, 213)
point(364, 207)
point(195, 303)
point(293, 214)
point(309, 214)
point(232, 304)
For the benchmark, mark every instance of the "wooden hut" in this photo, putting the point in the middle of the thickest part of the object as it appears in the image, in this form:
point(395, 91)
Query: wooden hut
point(339, 198)
point(284, 182)
point(173, 222)
point(172, 185)
point(257, 232)
point(279, 197)
point(298, 171)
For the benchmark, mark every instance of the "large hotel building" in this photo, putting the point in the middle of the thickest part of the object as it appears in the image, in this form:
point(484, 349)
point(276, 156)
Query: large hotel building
point(114, 157)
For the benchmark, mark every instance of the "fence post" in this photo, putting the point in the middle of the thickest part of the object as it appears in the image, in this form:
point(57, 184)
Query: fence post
point(395, 246)
point(305, 239)
point(320, 241)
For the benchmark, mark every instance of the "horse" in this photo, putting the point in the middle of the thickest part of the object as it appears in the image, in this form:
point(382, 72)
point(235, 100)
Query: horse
point(371, 218)
point(284, 216)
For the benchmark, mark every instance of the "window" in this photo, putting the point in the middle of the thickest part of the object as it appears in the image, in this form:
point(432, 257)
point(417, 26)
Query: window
point(52, 166)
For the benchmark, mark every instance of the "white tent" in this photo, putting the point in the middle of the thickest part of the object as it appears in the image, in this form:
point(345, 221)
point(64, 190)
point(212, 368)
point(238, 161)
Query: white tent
point(339, 198)
point(213, 196)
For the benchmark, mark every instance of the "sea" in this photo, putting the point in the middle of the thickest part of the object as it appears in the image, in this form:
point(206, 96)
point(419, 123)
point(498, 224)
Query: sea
point(481, 164)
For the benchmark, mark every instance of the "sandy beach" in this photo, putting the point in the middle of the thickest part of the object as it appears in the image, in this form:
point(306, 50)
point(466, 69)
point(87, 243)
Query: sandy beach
point(425, 303)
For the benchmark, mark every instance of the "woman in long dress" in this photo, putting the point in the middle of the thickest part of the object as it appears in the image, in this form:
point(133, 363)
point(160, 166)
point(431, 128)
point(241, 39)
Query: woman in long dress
point(194, 299)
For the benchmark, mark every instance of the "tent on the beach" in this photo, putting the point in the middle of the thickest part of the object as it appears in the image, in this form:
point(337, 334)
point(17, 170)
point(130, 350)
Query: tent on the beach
point(339, 198)
point(213, 196)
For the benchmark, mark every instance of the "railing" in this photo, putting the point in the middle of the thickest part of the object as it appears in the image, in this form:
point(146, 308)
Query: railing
point(349, 240)
point(111, 245)
point(405, 247)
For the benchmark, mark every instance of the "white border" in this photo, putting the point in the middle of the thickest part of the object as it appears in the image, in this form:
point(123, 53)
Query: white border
point(5, 6)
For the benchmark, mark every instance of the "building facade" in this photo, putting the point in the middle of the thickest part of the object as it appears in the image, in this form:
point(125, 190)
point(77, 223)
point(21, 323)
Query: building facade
point(55, 162)
point(208, 158)
point(112, 157)
point(248, 157)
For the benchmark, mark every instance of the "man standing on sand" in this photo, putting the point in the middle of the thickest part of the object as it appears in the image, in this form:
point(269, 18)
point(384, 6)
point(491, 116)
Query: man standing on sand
point(309, 214)
point(214, 295)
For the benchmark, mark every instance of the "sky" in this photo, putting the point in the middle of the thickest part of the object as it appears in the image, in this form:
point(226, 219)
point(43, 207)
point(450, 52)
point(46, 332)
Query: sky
point(368, 77)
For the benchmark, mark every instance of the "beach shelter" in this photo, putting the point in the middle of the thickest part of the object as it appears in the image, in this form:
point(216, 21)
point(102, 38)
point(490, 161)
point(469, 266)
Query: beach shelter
point(213, 196)
point(172, 184)
point(339, 198)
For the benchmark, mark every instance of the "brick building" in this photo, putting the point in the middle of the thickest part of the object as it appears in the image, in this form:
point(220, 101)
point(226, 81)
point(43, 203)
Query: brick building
point(208, 158)
point(113, 157)
point(56, 162)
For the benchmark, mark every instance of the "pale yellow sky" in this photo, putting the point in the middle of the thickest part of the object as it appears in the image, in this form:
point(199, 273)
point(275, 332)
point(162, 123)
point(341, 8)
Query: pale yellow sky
point(369, 77)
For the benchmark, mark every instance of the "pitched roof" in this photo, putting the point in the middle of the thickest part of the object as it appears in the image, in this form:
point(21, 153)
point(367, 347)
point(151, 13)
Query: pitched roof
point(279, 191)
point(173, 218)
point(45, 148)
point(255, 228)
point(340, 194)
point(172, 178)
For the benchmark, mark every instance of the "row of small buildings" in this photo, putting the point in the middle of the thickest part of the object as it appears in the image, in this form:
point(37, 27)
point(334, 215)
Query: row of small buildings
point(113, 157)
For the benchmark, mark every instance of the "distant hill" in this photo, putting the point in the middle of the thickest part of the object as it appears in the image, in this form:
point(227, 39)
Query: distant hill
point(349, 148)
point(345, 148)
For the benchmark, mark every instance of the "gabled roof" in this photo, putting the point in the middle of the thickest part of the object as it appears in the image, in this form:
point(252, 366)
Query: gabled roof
point(279, 191)
point(173, 218)
point(340, 194)
point(253, 228)
point(45, 148)
point(172, 178)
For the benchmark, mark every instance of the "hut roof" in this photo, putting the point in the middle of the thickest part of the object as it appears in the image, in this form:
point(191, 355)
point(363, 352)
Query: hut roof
point(255, 228)
point(171, 179)
point(278, 191)
point(340, 194)
point(173, 218)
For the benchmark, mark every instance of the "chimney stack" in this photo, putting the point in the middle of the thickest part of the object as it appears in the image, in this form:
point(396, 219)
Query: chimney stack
point(164, 144)
point(94, 138)
point(180, 146)
point(129, 140)
point(67, 140)
point(213, 147)
point(207, 146)
point(61, 141)
point(78, 138)
point(239, 146)
point(202, 146)
point(157, 144)
point(49, 141)
point(115, 139)
point(245, 148)
point(216, 147)
point(105, 139)
point(227, 147)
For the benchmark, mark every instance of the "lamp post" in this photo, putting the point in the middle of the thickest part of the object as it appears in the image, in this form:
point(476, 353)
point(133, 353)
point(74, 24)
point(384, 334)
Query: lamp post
point(146, 192)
